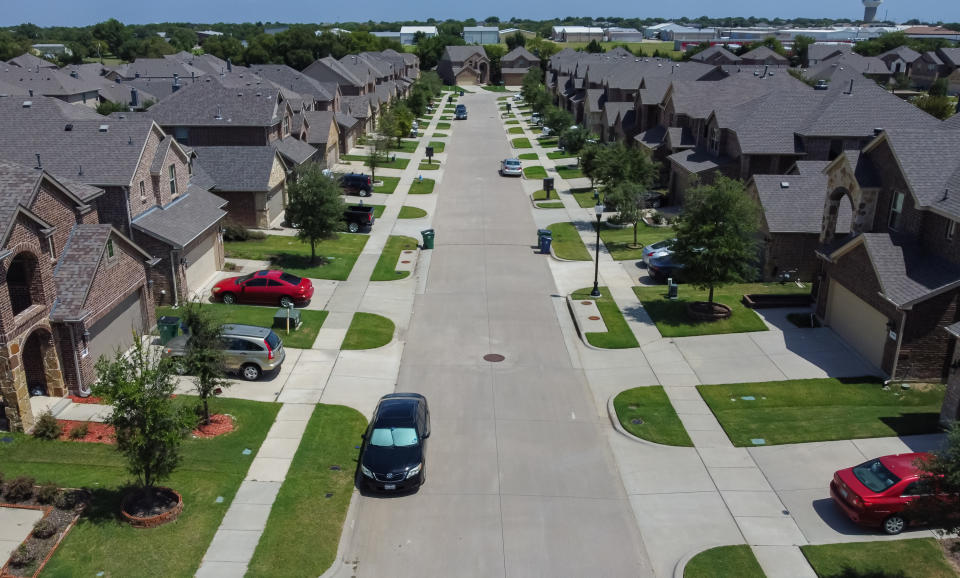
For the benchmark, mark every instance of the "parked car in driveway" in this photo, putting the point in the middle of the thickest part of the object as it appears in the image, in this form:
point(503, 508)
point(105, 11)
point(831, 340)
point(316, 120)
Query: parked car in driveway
point(876, 493)
point(357, 184)
point(247, 349)
point(511, 168)
point(665, 267)
point(460, 113)
point(393, 454)
point(656, 250)
point(273, 287)
point(358, 217)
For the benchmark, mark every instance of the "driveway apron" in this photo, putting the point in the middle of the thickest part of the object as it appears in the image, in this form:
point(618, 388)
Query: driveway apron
point(520, 477)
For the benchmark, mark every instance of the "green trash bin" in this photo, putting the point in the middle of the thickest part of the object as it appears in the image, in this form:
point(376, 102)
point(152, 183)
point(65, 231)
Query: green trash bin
point(168, 327)
point(428, 235)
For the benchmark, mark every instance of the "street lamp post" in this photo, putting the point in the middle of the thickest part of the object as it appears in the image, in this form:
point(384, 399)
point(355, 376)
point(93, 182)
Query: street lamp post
point(596, 268)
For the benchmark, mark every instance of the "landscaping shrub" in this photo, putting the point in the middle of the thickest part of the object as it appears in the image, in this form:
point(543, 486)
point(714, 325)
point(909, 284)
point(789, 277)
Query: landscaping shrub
point(65, 500)
point(229, 266)
point(80, 432)
point(19, 489)
point(47, 493)
point(47, 427)
point(44, 529)
point(235, 232)
point(21, 556)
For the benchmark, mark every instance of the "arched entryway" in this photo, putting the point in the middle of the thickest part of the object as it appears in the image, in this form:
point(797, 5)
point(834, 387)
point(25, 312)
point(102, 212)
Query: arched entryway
point(839, 216)
point(24, 284)
point(41, 366)
point(484, 73)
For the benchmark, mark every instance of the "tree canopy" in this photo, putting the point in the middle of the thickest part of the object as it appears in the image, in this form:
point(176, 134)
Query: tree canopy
point(315, 207)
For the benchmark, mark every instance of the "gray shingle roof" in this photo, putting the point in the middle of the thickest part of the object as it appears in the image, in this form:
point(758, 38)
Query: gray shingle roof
point(652, 138)
point(931, 165)
point(28, 60)
point(716, 54)
point(294, 151)
point(319, 123)
point(18, 184)
point(294, 80)
point(201, 103)
point(238, 168)
point(76, 270)
point(47, 82)
point(460, 54)
point(328, 68)
point(158, 68)
point(950, 56)
point(907, 273)
point(908, 54)
point(764, 54)
point(183, 220)
point(698, 160)
point(798, 208)
point(519, 52)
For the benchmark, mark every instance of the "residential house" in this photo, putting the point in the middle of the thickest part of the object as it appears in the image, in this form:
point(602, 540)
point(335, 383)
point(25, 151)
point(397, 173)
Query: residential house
point(329, 69)
point(763, 56)
point(900, 60)
point(481, 35)
point(29, 61)
point(253, 180)
point(717, 55)
point(323, 133)
point(515, 64)
point(50, 82)
point(818, 52)
point(464, 65)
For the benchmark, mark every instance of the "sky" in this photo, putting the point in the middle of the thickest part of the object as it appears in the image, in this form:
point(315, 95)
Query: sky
point(73, 13)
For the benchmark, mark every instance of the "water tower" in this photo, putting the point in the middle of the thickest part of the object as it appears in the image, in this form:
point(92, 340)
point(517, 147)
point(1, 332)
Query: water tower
point(870, 10)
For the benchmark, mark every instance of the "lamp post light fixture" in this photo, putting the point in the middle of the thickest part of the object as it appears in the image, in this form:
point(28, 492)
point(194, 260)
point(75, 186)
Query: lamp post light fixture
point(596, 268)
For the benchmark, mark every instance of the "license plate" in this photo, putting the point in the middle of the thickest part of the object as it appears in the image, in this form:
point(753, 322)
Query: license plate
point(389, 486)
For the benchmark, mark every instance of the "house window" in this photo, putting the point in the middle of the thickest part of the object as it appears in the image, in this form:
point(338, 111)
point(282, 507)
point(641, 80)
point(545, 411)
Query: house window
point(173, 180)
point(715, 140)
point(53, 247)
point(896, 211)
point(110, 250)
point(951, 229)
point(143, 192)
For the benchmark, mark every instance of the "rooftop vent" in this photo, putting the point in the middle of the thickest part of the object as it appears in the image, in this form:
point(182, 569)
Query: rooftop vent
point(219, 115)
point(74, 74)
point(39, 164)
point(784, 184)
point(30, 92)
point(877, 131)
point(68, 128)
point(27, 103)
point(104, 127)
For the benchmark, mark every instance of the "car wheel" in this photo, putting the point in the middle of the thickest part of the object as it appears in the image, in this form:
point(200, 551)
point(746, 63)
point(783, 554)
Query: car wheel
point(894, 525)
point(229, 298)
point(353, 227)
point(286, 302)
point(250, 372)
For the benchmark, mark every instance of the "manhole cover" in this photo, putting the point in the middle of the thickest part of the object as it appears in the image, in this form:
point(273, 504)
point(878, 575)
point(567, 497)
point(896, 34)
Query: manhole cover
point(636, 421)
point(586, 303)
point(593, 318)
point(493, 357)
point(404, 262)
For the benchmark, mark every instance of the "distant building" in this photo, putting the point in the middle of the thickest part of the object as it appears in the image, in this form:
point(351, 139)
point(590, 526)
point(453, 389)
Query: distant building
point(481, 34)
point(388, 34)
point(408, 33)
point(515, 64)
point(507, 32)
point(932, 32)
point(51, 49)
point(623, 35)
point(577, 33)
point(204, 34)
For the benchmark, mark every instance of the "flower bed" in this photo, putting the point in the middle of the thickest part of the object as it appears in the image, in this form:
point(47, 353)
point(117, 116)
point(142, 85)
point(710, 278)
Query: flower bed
point(97, 433)
point(220, 424)
point(59, 517)
point(91, 399)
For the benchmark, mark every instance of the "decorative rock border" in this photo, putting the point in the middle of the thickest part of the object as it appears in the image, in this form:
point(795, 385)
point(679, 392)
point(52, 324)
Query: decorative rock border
point(4, 573)
point(724, 313)
point(153, 521)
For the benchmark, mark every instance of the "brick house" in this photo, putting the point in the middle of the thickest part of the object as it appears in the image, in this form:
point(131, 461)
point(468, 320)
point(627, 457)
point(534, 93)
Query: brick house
point(72, 289)
point(717, 55)
point(252, 179)
point(464, 65)
point(763, 56)
point(891, 287)
point(142, 172)
point(329, 69)
point(515, 64)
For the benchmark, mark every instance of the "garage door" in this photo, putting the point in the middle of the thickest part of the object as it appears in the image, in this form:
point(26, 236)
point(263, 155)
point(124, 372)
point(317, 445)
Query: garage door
point(860, 325)
point(201, 262)
point(275, 204)
point(115, 329)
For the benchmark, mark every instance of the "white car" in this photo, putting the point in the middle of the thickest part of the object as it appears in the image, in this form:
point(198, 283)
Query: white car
point(518, 97)
point(511, 168)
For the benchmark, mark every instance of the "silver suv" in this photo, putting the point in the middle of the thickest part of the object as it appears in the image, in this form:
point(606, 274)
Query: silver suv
point(248, 350)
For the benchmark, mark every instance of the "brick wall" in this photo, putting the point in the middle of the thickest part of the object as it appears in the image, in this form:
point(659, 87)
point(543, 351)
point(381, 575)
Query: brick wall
point(112, 209)
point(199, 136)
point(926, 348)
point(160, 274)
point(785, 251)
point(55, 208)
point(241, 208)
point(142, 173)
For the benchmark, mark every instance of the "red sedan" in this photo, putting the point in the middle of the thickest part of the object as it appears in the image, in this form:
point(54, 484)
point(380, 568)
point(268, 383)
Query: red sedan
point(264, 288)
point(877, 492)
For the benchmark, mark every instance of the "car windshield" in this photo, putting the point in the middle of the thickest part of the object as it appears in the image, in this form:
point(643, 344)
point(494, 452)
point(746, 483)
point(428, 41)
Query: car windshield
point(291, 279)
point(244, 278)
point(875, 475)
point(388, 437)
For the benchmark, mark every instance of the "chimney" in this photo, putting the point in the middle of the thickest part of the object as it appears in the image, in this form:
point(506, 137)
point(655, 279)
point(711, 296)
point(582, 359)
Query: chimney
point(766, 69)
point(176, 82)
point(134, 98)
point(851, 87)
point(81, 171)
point(877, 131)
point(74, 74)
point(39, 164)
point(31, 93)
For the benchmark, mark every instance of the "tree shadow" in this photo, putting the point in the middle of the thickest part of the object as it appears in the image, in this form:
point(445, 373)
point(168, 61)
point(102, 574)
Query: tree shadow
point(103, 504)
point(848, 572)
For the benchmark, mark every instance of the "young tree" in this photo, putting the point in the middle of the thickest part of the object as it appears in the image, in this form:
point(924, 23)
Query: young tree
point(942, 474)
point(557, 119)
point(589, 161)
point(618, 163)
point(594, 47)
point(515, 39)
point(378, 154)
point(316, 207)
point(716, 235)
point(628, 200)
point(149, 426)
point(531, 83)
point(204, 358)
point(938, 106)
point(403, 120)
point(387, 126)
point(574, 139)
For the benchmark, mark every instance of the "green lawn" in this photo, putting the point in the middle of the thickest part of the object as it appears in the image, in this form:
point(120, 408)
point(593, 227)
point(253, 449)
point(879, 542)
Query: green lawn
point(431, 166)
point(555, 155)
point(293, 255)
point(515, 130)
point(422, 187)
point(406, 146)
point(814, 410)
point(438, 146)
point(411, 213)
point(494, 88)
point(522, 143)
point(671, 315)
point(549, 205)
point(542, 195)
point(368, 331)
point(535, 172)
point(724, 562)
point(915, 558)
point(584, 197)
point(618, 335)
point(100, 543)
point(314, 496)
point(386, 265)
point(397, 163)
point(443, 126)
point(548, 141)
point(567, 243)
point(302, 338)
point(651, 406)
point(569, 172)
point(389, 185)
point(618, 241)
point(444, 117)
point(440, 135)
point(528, 157)
point(512, 122)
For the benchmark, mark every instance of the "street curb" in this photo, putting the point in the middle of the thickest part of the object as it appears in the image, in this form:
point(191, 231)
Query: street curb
point(612, 414)
point(346, 539)
point(583, 339)
point(681, 566)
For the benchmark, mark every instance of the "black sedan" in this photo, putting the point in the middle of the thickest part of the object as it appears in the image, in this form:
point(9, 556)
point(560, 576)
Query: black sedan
point(394, 445)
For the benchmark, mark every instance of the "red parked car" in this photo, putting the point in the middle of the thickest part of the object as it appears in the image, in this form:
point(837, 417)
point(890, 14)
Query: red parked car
point(264, 288)
point(877, 492)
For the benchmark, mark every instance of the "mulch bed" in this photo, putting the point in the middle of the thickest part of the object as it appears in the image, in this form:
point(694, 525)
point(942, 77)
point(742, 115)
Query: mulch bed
point(152, 502)
point(220, 424)
point(98, 433)
point(41, 549)
point(91, 399)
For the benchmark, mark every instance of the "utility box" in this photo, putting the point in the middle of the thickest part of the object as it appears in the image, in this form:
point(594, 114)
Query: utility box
point(672, 290)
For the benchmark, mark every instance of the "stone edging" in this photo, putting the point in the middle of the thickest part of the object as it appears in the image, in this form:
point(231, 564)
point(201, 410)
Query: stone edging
point(583, 338)
point(681, 566)
point(159, 519)
point(612, 414)
point(46, 512)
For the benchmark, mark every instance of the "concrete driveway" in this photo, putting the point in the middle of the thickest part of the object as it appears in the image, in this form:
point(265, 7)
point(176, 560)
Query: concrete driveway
point(521, 480)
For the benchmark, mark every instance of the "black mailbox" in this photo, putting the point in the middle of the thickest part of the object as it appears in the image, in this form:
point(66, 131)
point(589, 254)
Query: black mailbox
point(429, 152)
point(548, 184)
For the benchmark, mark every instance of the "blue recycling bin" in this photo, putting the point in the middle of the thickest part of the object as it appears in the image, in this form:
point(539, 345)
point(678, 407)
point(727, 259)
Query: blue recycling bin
point(545, 242)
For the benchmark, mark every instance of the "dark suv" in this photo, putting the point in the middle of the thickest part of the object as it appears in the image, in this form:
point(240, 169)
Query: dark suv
point(461, 112)
point(356, 184)
point(394, 445)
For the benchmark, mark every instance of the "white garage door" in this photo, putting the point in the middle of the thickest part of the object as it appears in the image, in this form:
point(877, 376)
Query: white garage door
point(115, 330)
point(859, 324)
point(201, 262)
point(275, 204)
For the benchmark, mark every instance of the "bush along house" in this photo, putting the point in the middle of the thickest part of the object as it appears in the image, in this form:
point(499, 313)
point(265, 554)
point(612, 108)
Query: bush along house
point(891, 286)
